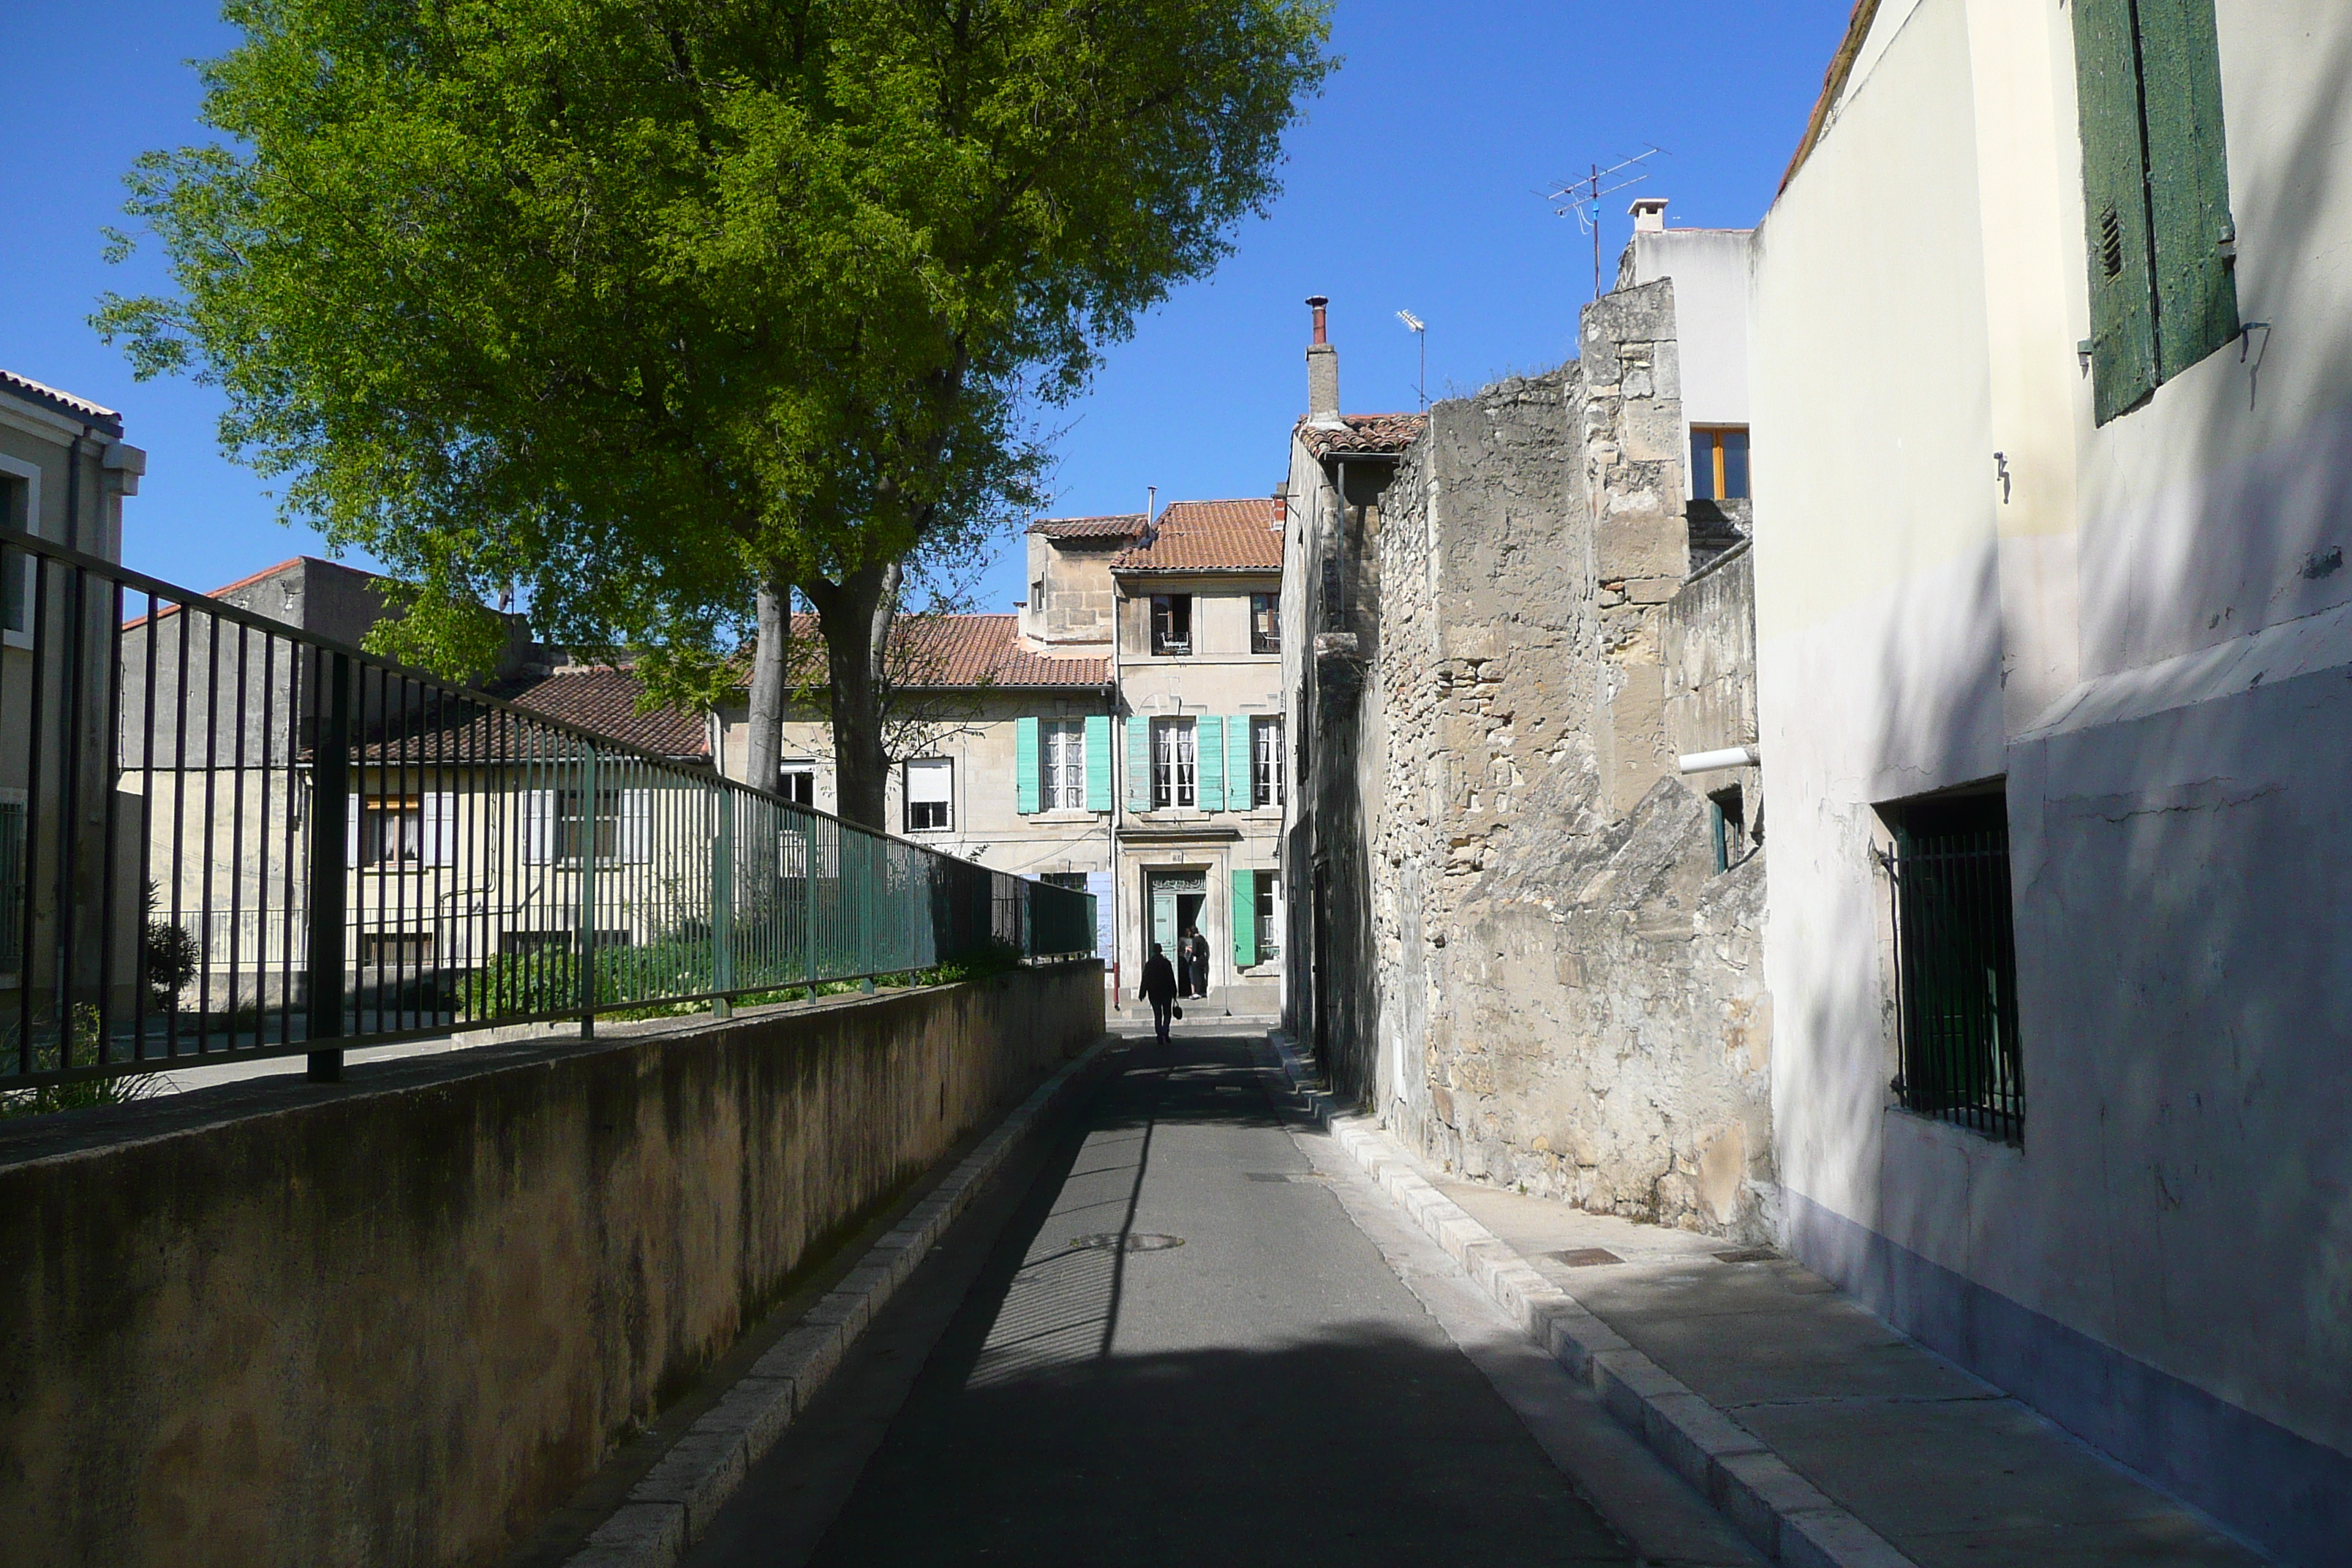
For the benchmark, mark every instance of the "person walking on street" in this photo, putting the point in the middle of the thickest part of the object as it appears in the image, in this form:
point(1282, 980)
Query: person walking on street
point(1159, 988)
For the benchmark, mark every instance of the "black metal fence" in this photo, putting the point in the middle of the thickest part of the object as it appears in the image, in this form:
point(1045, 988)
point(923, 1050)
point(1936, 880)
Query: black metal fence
point(1956, 980)
point(223, 837)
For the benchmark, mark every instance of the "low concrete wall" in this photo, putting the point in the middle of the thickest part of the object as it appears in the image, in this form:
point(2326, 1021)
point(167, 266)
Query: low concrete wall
point(399, 1319)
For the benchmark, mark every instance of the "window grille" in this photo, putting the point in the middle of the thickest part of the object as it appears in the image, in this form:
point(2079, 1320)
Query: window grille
point(1266, 747)
point(1172, 624)
point(1175, 764)
point(1265, 623)
point(1956, 967)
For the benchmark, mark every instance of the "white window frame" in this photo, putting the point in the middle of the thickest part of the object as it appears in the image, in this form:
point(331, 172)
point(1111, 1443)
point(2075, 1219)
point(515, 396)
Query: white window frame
point(1063, 756)
point(1175, 764)
point(944, 769)
point(30, 473)
point(1266, 764)
point(791, 771)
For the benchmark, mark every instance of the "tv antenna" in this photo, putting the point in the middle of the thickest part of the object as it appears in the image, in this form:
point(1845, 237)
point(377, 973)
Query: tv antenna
point(1581, 197)
point(1419, 329)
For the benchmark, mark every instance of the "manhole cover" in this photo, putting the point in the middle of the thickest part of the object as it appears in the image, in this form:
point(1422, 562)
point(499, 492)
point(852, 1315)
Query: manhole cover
point(1112, 1241)
point(1748, 1254)
point(1587, 1257)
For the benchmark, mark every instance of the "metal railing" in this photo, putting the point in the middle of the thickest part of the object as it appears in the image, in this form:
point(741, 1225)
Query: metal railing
point(225, 837)
point(1955, 981)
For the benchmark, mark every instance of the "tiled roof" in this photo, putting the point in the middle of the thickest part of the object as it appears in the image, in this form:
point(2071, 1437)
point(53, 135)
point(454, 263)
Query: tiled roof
point(56, 402)
point(1833, 81)
point(1364, 433)
point(1125, 526)
point(1208, 536)
point(602, 698)
point(950, 652)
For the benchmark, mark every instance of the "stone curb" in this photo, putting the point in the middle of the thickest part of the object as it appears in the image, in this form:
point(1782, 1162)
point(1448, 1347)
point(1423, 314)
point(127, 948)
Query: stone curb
point(1784, 1514)
point(672, 1508)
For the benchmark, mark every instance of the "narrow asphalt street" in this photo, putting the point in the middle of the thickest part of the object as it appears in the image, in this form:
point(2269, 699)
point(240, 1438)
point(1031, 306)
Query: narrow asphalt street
point(1182, 1331)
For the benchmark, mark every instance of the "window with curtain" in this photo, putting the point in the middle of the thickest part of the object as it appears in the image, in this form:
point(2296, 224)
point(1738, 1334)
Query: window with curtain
point(930, 790)
point(1063, 742)
point(1265, 762)
point(1175, 764)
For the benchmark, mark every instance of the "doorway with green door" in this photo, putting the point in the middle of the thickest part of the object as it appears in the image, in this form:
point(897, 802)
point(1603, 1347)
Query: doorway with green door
point(1178, 897)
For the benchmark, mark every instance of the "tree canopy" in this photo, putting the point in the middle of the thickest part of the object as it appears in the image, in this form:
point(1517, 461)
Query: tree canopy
point(654, 307)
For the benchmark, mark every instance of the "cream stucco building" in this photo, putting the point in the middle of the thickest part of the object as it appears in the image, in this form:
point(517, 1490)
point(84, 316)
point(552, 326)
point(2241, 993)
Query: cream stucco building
point(1122, 733)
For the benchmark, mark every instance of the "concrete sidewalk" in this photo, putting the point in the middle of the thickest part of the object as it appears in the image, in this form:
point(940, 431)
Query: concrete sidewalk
point(1943, 1468)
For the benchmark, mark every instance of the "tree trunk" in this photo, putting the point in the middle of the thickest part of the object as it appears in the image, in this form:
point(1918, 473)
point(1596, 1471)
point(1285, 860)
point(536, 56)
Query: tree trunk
point(771, 683)
point(855, 616)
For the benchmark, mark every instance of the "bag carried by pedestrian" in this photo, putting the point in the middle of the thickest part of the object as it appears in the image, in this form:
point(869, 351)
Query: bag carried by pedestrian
point(1176, 1012)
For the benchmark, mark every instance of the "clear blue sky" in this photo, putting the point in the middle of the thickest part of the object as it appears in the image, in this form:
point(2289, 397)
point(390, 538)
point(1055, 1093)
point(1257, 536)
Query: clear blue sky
point(1415, 182)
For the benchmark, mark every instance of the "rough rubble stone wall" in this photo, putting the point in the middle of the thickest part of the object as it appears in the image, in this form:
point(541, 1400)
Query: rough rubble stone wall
point(1570, 1000)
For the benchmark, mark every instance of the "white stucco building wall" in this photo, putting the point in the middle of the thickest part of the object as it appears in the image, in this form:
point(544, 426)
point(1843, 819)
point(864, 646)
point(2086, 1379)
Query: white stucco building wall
point(2140, 634)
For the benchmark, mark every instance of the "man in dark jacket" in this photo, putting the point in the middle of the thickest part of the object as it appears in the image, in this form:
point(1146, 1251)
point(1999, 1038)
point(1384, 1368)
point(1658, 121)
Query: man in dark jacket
point(1196, 953)
point(1159, 988)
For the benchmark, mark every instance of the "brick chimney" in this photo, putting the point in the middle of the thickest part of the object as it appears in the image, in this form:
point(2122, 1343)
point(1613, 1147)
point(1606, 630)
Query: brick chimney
point(1322, 371)
point(1281, 506)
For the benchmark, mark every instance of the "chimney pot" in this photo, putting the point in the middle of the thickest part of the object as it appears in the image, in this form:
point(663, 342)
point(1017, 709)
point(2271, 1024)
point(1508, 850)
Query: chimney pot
point(1281, 507)
point(1649, 214)
point(1322, 371)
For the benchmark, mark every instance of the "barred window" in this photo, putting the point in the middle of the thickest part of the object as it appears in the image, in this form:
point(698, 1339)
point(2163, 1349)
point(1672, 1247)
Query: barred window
point(1956, 965)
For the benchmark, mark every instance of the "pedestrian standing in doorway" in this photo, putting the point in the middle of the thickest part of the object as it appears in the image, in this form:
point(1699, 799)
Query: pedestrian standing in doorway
point(1158, 989)
point(1198, 954)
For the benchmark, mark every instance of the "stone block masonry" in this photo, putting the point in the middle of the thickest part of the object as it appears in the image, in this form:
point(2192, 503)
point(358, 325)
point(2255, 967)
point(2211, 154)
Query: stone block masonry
point(1568, 994)
point(399, 1319)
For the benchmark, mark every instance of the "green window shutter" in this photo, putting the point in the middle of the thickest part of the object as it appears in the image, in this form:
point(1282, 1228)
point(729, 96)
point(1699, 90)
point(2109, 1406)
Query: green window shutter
point(1138, 763)
point(1245, 919)
point(2188, 183)
point(1208, 740)
point(1241, 767)
point(1025, 789)
point(1098, 762)
point(2115, 204)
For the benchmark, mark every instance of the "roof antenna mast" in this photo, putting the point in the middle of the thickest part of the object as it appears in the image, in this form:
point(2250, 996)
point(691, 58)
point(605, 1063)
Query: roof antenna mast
point(1581, 197)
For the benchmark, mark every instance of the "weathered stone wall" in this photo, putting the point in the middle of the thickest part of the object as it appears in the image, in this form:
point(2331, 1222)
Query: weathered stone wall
point(1570, 999)
point(398, 1319)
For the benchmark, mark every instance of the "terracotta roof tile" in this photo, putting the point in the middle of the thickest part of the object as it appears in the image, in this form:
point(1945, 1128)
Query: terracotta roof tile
point(1208, 536)
point(1364, 433)
point(955, 651)
point(604, 699)
point(1125, 526)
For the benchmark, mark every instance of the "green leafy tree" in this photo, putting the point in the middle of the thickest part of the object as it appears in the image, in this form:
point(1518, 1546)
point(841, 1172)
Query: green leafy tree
point(659, 309)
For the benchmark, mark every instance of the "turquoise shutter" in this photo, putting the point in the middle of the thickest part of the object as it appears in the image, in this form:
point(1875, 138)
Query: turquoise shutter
point(1208, 744)
point(2114, 206)
point(1098, 762)
point(2187, 182)
point(1241, 767)
point(1025, 766)
point(1138, 764)
point(1245, 919)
